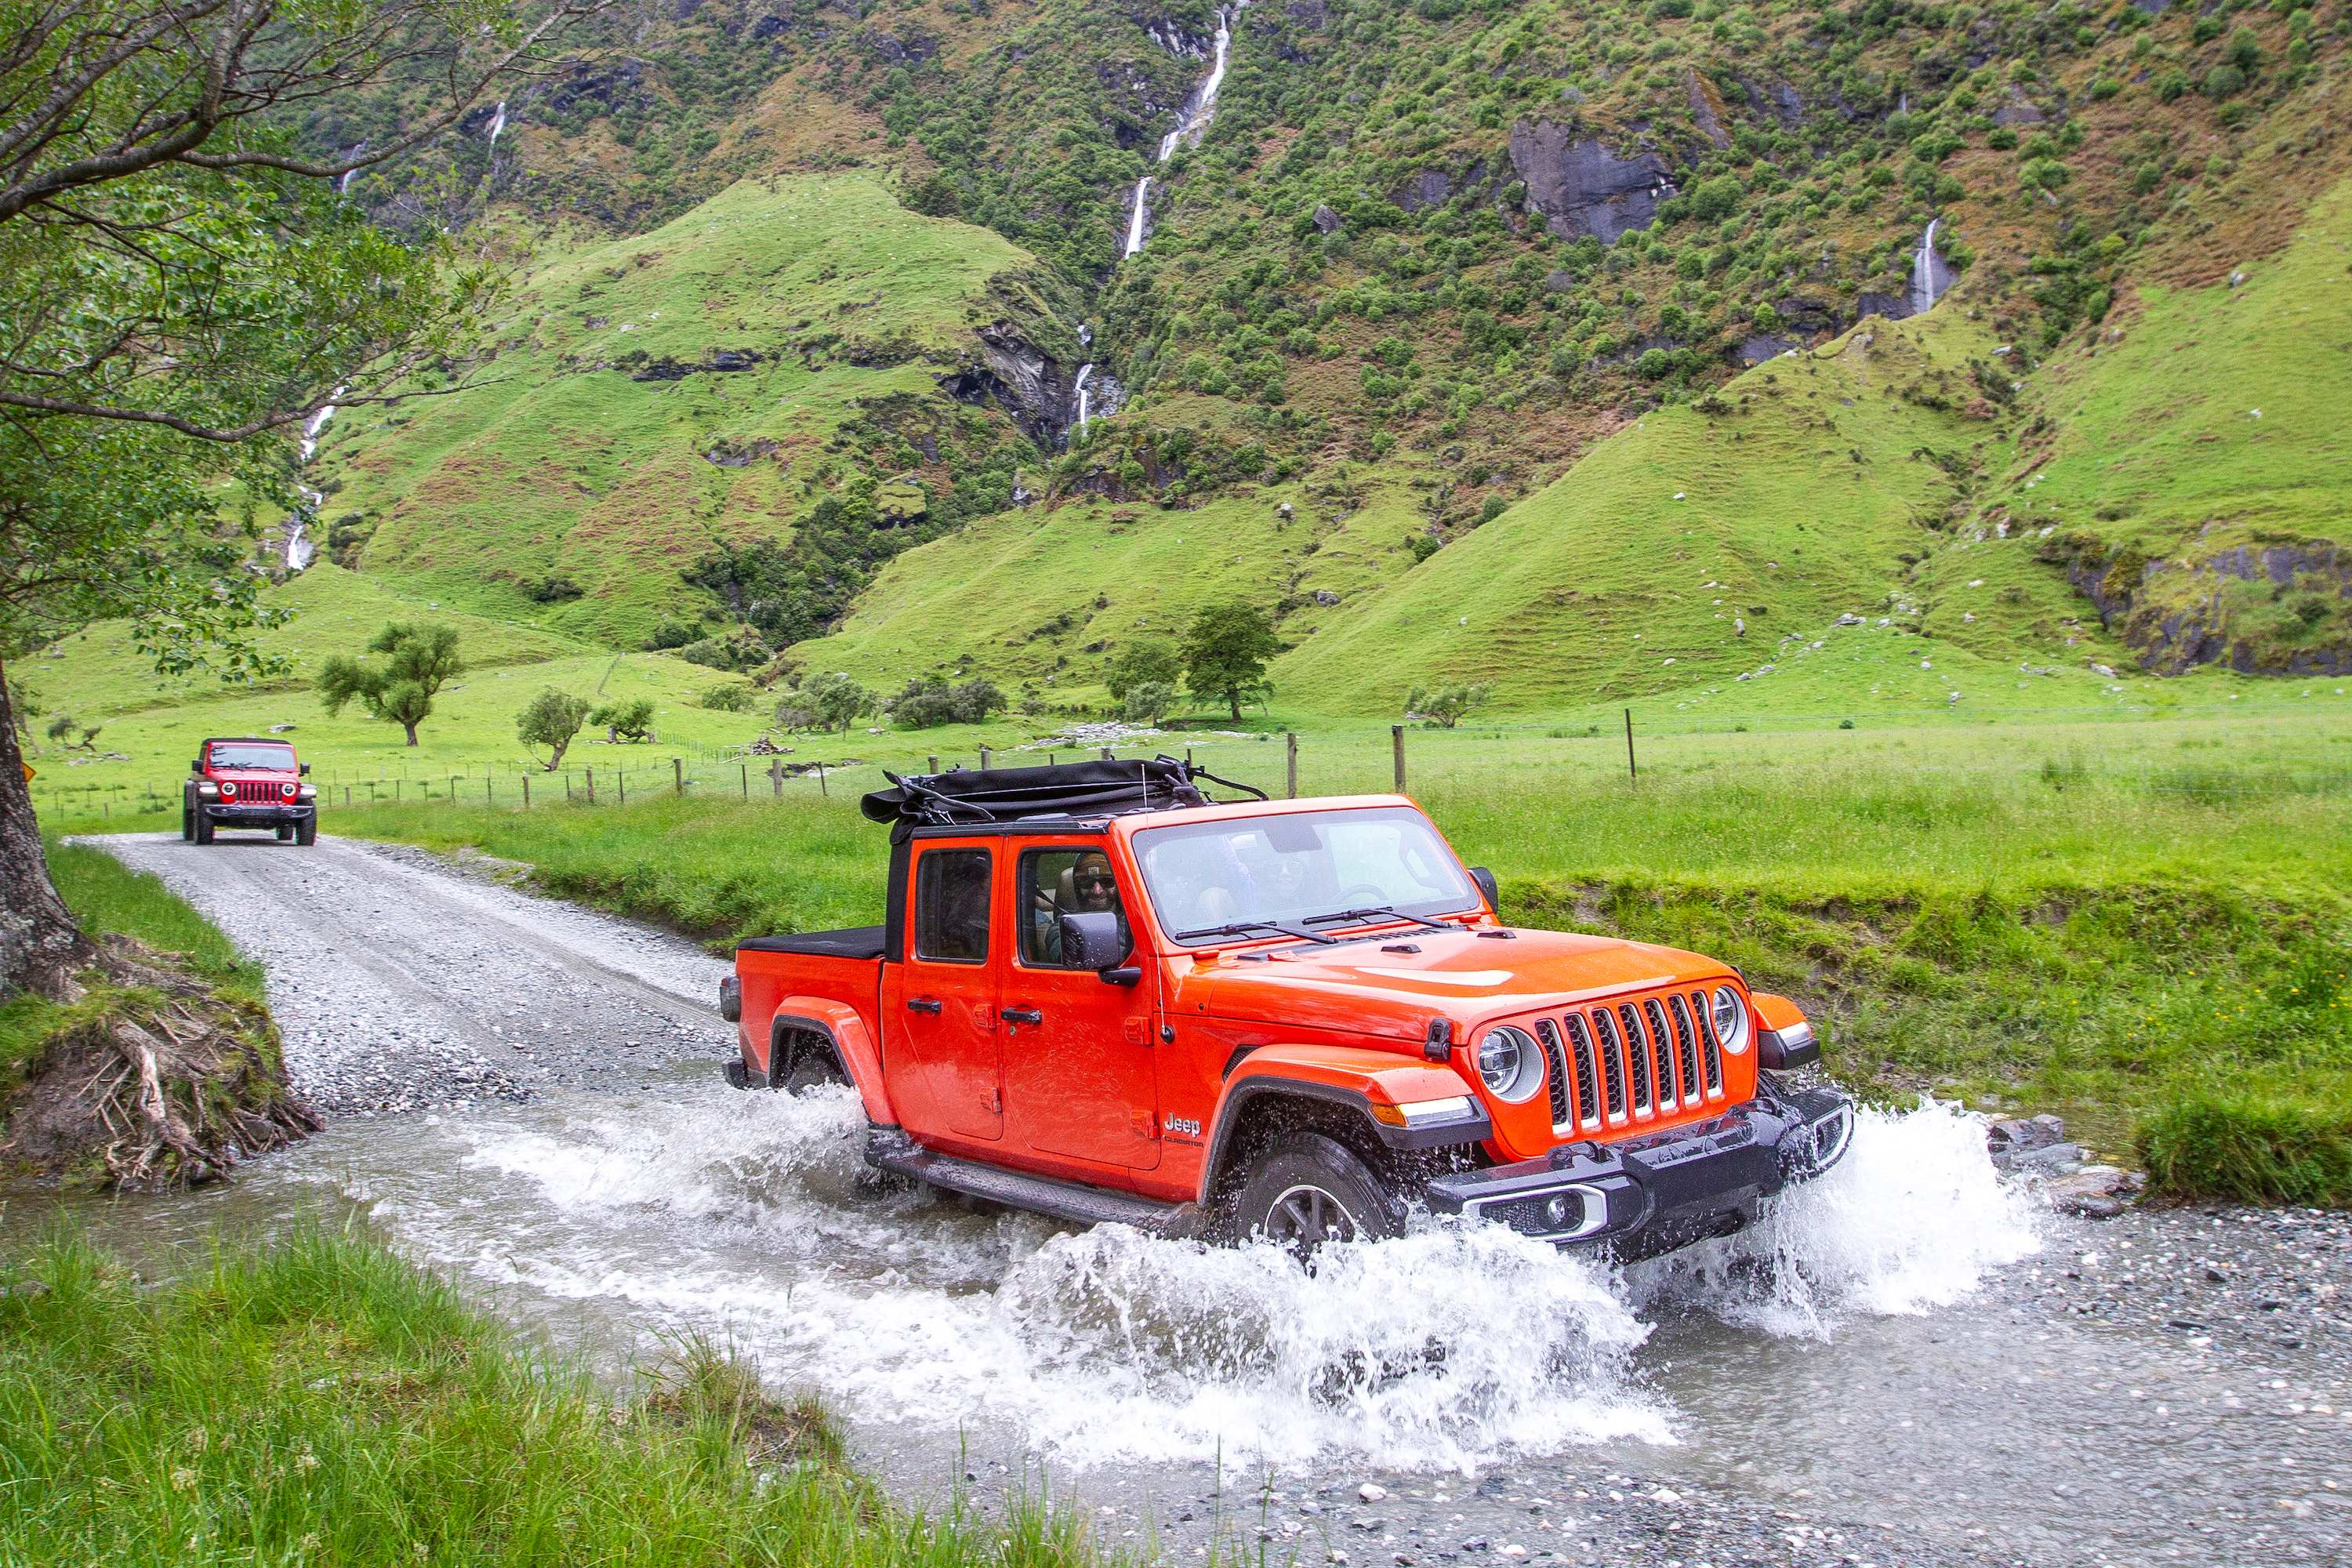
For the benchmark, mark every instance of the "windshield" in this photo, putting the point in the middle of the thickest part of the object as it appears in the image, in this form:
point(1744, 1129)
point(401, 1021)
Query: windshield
point(1289, 869)
point(277, 758)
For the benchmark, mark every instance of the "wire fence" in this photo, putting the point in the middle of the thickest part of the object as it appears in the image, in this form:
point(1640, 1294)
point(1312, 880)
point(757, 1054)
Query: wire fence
point(1279, 763)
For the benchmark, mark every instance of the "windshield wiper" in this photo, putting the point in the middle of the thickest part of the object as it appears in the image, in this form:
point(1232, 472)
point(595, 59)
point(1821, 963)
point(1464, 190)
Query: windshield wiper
point(1243, 928)
point(1378, 911)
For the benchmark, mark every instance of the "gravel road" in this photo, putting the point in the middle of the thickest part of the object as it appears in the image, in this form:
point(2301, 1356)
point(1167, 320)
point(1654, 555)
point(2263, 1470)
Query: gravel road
point(399, 985)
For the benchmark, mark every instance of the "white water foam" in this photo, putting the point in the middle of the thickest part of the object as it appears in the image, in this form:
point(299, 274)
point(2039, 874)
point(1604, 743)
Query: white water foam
point(1912, 1219)
point(1443, 1349)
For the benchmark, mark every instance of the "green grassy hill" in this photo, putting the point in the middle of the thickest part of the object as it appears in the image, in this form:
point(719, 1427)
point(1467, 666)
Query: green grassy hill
point(608, 449)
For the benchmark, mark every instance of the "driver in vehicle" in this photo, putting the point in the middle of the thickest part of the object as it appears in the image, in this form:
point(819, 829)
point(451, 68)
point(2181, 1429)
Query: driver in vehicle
point(1087, 886)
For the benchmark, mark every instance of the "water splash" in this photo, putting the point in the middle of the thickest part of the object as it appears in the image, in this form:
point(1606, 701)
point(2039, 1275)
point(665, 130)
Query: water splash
point(754, 1216)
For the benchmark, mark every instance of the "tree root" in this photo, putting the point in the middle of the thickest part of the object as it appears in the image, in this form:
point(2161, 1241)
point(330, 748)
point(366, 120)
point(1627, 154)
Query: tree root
point(152, 1080)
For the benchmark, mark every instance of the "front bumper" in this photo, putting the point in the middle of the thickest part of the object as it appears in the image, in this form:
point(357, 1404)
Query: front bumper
point(1650, 1194)
point(257, 814)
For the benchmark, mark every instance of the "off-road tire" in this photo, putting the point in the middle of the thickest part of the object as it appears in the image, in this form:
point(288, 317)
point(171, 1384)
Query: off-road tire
point(306, 833)
point(187, 821)
point(1306, 1189)
point(815, 1065)
point(204, 829)
point(284, 832)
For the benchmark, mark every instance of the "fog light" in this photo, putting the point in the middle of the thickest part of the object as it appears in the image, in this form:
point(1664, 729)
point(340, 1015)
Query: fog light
point(1556, 1210)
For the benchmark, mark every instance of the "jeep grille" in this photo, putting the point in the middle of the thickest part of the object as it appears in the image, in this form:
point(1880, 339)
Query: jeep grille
point(1633, 1060)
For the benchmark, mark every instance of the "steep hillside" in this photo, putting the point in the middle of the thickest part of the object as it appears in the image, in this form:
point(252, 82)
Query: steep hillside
point(656, 402)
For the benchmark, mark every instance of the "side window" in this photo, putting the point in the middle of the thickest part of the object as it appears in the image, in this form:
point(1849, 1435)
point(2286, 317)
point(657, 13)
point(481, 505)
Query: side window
point(1055, 882)
point(951, 906)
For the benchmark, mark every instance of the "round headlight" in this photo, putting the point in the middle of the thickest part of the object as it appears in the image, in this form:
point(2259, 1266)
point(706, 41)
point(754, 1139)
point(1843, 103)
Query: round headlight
point(228, 789)
point(1730, 1020)
point(1510, 1064)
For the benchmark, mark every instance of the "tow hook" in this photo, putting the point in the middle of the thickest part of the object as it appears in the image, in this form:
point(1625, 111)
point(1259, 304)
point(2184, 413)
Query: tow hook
point(1438, 1044)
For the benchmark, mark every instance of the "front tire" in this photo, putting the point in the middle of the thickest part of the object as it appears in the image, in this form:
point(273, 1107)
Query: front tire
point(305, 833)
point(204, 829)
point(1308, 1189)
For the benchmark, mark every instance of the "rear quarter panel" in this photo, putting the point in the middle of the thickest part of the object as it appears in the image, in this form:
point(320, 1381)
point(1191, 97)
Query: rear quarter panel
point(840, 995)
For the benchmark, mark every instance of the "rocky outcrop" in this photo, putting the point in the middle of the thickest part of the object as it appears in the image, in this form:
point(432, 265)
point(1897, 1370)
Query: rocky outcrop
point(1757, 349)
point(2018, 111)
point(1702, 110)
point(669, 369)
point(1428, 188)
point(1326, 219)
point(1581, 187)
point(1870, 302)
point(2180, 613)
point(1028, 383)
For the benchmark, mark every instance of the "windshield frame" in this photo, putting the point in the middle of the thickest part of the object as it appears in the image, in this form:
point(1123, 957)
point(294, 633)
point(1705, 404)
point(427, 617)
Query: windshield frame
point(1164, 901)
point(215, 761)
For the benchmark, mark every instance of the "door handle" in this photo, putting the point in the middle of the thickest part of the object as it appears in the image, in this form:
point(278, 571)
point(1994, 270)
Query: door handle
point(923, 1005)
point(1021, 1016)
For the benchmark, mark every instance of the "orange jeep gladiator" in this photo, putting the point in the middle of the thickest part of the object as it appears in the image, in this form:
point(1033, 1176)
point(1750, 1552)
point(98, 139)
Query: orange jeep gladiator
point(242, 782)
point(1100, 995)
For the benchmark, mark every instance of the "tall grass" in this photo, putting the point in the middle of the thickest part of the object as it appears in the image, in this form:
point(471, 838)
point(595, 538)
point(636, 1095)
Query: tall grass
point(321, 1401)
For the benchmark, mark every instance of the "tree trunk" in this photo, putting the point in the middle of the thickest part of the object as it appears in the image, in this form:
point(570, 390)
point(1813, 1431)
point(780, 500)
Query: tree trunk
point(40, 945)
point(411, 730)
point(1233, 699)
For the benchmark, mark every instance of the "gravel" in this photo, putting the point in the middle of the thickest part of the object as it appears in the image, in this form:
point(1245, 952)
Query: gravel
point(400, 987)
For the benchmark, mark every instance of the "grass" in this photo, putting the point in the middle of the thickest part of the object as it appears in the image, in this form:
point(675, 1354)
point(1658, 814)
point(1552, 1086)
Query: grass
point(318, 1400)
point(106, 896)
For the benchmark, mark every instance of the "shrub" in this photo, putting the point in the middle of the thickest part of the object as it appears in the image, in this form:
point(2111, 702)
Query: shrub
point(551, 719)
point(928, 701)
point(829, 702)
point(1147, 703)
point(1146, 661)
point(2223, 81)
point(1446, 706)
point(727, 697)
point(2251, 1151)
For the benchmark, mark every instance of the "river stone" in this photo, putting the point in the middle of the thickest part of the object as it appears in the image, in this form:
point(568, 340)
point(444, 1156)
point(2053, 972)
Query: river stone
point(1580, 187)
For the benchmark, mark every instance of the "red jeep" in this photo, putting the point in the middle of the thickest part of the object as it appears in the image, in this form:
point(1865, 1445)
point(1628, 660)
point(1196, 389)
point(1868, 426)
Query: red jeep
point(1101, 997)
point(239, 780)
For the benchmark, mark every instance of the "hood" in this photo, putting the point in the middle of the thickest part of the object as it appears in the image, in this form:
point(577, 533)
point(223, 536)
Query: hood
point(1372, 987)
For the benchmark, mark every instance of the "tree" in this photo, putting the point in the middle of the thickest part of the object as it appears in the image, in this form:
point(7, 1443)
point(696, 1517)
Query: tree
point(417, 661)
point(841, 701)
point(629, 720)
point(930, 701)
point(178, 276)
point(1147, 703)
point(1224, 651)
point(1446, 706)
point(551, 719)
point(1146, 661)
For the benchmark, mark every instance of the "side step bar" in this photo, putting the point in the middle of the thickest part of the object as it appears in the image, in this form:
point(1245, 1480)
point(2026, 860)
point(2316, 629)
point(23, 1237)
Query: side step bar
point(889, 1148)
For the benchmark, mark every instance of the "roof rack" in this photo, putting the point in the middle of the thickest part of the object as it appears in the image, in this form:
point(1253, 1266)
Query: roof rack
point(1067, 789)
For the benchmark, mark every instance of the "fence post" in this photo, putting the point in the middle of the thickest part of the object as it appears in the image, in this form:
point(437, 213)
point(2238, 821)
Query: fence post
point(935, 764)
point(820, 780)
point(1293, 738)
point(489, 797)
point(1632, 774)
point(625, 786)
point(776, 775)
point(1105, 754)
point(984, 759)
point(591, 785)
point(395, 788)
point(526, 792)
point(677, 775)
point(747, 781)
point(1396, 743)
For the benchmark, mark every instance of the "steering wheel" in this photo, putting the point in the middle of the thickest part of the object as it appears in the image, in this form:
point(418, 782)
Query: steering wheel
point(1363, 895)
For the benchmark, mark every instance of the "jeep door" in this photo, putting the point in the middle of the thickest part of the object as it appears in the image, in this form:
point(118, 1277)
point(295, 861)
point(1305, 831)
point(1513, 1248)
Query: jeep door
point(943, 1056)
point(1080, 1053)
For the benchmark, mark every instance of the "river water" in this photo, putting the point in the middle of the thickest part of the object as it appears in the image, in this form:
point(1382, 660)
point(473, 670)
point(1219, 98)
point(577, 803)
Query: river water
point(1871, 1350)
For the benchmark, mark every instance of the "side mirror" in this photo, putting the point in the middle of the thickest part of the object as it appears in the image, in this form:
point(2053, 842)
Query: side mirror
point(196, 765)
point(1091, 940)
point(302, 768)
point(1486, 881)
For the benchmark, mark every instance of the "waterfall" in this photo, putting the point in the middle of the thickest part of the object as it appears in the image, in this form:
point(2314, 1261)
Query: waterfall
point(344, 181)
point(1929, 276)
point(299, 548)
point(497, 122)
point(1079, 386)
point(1135, 218)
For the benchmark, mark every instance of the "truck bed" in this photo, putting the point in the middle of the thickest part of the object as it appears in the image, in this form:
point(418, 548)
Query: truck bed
point(853, 941)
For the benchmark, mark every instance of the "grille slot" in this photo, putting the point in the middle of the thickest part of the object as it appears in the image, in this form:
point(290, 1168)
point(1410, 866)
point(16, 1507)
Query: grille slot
point(1659, 1055)
point(1630, 1053)
point(1685, 1048)
point(1655, 1016)
point(1609, 1071)
point(1588, 1080)
point(1709, 1045)
point(1556, 1079)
